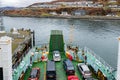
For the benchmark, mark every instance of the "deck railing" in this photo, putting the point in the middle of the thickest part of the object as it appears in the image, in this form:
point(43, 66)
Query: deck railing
point(99, 58)
point(101, 64)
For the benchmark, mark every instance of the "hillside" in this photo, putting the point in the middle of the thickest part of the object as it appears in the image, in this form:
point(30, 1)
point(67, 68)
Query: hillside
point(46, 8)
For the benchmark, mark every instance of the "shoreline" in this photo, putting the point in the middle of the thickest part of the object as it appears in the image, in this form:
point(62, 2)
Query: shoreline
point(72, 17)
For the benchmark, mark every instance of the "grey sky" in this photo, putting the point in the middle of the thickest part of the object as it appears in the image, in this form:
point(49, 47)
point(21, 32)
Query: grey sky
point(19, 3)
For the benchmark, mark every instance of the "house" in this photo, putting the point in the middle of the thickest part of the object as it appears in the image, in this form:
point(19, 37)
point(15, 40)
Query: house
point(90, 5)
point(53, 13)
point(79, 12)
point(98, 5)
point(113, 6)
point(44, 5)
point(112, 1)
point(64, 13)
point(111, 14)
point(75, 3)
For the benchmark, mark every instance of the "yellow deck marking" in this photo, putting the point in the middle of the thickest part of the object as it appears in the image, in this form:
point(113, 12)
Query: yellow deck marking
point(45, 71)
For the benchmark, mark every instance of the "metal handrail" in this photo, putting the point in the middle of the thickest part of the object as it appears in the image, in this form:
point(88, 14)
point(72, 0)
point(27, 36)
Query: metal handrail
point(87, 50)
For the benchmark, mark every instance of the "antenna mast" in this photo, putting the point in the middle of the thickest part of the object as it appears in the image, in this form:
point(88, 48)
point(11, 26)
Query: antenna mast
point(118, 65)
point(71, 33)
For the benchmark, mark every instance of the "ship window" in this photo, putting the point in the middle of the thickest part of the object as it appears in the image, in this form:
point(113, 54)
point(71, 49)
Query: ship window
point(81, 68)
point(0, 49)
point(1, 73)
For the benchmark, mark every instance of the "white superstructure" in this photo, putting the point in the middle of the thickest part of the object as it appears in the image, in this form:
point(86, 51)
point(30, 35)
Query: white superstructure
point(6, 57)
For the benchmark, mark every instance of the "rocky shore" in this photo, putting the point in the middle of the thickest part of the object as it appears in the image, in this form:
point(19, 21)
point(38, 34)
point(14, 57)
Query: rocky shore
point(73, 17)
point(88, 17)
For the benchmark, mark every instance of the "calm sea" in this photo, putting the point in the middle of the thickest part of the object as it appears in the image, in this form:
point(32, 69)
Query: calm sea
point(98, 35)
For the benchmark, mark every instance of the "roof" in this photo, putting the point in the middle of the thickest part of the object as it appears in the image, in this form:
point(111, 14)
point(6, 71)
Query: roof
point(53, 2)
point(85, 67)
point(56, 32)
point(50, 65)
point(57, 54)
point(79, 11)
point(68, 62)
point(33, 73)
point(5, 38)
point(66, 0)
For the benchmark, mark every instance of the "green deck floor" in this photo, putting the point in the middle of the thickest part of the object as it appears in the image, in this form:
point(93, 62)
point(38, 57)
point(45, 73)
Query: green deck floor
point(41, 65)
point(61, 75)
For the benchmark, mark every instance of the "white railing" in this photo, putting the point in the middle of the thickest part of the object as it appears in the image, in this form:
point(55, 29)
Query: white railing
point(87, 50)
point(107, 70)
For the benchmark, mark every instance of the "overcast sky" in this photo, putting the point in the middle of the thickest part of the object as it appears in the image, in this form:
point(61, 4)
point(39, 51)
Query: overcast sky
point(19, 3)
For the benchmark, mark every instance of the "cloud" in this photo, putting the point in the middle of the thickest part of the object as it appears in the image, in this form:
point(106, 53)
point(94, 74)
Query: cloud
point(9, 2)
point(20, 3)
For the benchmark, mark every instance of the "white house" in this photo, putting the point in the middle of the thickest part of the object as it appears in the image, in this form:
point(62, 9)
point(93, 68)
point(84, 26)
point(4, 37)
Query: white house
point(45, 5)
point(53, 13)
point(64, 13)
point(112, 0)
